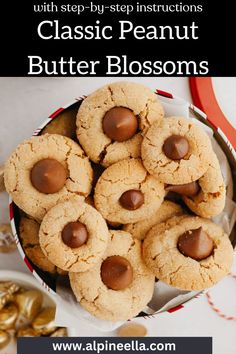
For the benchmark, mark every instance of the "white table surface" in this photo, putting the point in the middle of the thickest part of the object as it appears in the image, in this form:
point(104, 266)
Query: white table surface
point(26, 102)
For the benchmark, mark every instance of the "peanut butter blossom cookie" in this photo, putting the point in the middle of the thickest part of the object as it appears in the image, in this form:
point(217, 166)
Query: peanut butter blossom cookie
point(126, 193)
point(29, 235)
point(120, 286)
point(189, 253)
point(166, 211)
point(176, 151)
point(209, 201)
point(73, 235)
point(110, 122)
point(45, 170)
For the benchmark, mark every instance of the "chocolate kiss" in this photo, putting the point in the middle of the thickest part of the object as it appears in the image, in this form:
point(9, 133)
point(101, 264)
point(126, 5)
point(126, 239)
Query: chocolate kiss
point(132, 199)
point(120, 124)
point(116, 272)
point(74, 234)
point(48, 176)
point(195, 244)
point(189, 189)
point(176, 147)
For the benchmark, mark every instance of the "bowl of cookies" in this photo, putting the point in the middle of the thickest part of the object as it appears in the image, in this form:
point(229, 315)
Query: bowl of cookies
point(126, 196)
point(26, 310)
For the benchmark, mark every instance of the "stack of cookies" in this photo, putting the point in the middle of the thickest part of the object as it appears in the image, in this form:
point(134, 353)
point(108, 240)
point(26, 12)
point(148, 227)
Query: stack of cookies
point(99, 208)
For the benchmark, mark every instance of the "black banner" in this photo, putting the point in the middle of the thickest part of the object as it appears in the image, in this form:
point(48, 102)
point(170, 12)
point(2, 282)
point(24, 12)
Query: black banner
point(116, 38)
point(106, 345)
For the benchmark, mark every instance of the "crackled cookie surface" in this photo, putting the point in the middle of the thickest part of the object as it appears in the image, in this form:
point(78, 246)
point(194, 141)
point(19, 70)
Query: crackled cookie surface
point(121, 268)
point(210, 200)
point(29, 235)
point(110, 121)
point(126, 193)
point(73, 235)
point(176, 151)
point(167, 210)
point(45, 170)
point(189, 253)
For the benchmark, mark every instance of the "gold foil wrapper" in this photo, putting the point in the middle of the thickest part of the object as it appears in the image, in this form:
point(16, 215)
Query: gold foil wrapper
point(4, 339)
point(29, 303)
point(7, 242)
point(8, 317)
point(44, 324)
point(60, 332)
point(26, 332)
point(7, 289)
